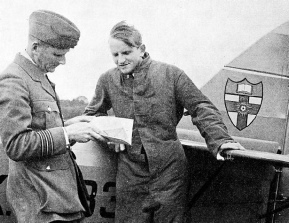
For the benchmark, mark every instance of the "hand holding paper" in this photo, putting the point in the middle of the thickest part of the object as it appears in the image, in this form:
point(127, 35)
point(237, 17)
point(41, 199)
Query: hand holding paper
point(117, 130)
point(82, 132)
point(81, 118)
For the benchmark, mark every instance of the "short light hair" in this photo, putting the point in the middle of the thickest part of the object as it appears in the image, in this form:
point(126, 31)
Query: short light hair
point(126, 33)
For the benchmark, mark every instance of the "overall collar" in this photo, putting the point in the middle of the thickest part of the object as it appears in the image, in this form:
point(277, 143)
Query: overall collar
point(141, 82)
point(144, 64)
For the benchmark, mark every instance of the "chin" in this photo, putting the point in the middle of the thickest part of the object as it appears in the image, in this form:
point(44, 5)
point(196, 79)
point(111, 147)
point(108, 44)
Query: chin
point(51, 70)
point(126, 71)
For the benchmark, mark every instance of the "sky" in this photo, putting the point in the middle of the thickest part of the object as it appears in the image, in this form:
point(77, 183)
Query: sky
point(198, 36)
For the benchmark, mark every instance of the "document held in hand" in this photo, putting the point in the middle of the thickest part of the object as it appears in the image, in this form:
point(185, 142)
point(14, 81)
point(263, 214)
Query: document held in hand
point(118, 130)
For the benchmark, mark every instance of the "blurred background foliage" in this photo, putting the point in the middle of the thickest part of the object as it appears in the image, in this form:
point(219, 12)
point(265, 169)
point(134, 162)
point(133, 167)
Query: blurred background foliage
point(75, 107)
point(72, 108)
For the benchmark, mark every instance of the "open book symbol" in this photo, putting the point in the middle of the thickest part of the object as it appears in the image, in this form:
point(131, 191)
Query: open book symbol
point(118, 130)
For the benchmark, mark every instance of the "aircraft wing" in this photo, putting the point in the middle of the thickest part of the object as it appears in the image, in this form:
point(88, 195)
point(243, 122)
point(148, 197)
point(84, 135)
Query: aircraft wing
point(270, 158)
point(261, 150)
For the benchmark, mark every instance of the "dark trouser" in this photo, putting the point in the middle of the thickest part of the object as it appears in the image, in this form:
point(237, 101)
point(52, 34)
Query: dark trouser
point(142, 197)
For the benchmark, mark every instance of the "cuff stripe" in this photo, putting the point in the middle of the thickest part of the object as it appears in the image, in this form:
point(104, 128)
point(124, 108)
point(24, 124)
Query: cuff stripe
point(41, 140)
point(47, 146)
point(51, 142)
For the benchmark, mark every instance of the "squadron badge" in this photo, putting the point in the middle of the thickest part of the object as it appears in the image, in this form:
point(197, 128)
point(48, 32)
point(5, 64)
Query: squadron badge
point(243, 100)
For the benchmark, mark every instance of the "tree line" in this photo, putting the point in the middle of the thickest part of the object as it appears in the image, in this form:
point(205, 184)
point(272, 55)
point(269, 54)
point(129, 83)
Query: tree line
point(76, 107)
point(72, 108)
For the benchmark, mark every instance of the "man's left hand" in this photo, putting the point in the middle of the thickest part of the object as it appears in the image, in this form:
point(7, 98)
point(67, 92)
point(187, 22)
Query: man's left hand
point(232, 145)
point(229, 146)
point(117, 147)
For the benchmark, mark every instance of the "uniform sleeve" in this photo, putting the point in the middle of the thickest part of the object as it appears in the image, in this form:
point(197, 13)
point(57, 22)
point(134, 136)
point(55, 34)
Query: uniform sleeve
point(100, 103)
point(204, 114)
point(20, 141)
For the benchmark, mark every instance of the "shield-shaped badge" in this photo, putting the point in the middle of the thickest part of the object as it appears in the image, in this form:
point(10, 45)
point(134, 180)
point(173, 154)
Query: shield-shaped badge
point(243, 101)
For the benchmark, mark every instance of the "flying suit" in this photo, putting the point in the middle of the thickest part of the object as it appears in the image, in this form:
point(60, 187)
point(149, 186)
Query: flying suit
point(152, 176)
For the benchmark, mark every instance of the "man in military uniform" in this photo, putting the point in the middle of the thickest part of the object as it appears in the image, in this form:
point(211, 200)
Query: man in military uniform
point(41, 184)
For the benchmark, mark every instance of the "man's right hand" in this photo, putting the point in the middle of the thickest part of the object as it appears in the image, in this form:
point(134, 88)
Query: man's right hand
point(82, 132)
point(81, 118)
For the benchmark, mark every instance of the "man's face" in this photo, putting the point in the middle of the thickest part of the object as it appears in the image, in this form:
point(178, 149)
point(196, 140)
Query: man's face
point(48, 58)
point(125, 57)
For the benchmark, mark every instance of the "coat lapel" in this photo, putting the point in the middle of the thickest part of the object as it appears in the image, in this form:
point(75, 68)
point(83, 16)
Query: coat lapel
point(35, 73)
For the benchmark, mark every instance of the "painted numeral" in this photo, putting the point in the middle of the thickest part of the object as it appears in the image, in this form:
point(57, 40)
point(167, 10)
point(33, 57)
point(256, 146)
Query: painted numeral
point(103, 212)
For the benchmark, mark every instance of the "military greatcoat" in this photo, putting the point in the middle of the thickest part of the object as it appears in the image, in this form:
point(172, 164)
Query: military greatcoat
point(41, 184)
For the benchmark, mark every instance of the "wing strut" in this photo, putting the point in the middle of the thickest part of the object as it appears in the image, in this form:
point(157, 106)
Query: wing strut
point(275, 211)
point(206, 185)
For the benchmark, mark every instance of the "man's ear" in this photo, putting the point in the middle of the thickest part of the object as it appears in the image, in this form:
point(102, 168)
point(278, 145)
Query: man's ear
point(35, 47)
point(143, 49)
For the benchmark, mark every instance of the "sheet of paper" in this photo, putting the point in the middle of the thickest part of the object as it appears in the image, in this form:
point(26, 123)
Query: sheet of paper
point(118, 130)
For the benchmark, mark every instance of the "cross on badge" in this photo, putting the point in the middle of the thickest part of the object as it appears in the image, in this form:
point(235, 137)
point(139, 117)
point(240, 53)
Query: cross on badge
point(243, 100)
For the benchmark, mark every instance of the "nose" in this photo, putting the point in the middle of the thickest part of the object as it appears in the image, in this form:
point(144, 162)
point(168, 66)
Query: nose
point(62, 60)
point(121, 59)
